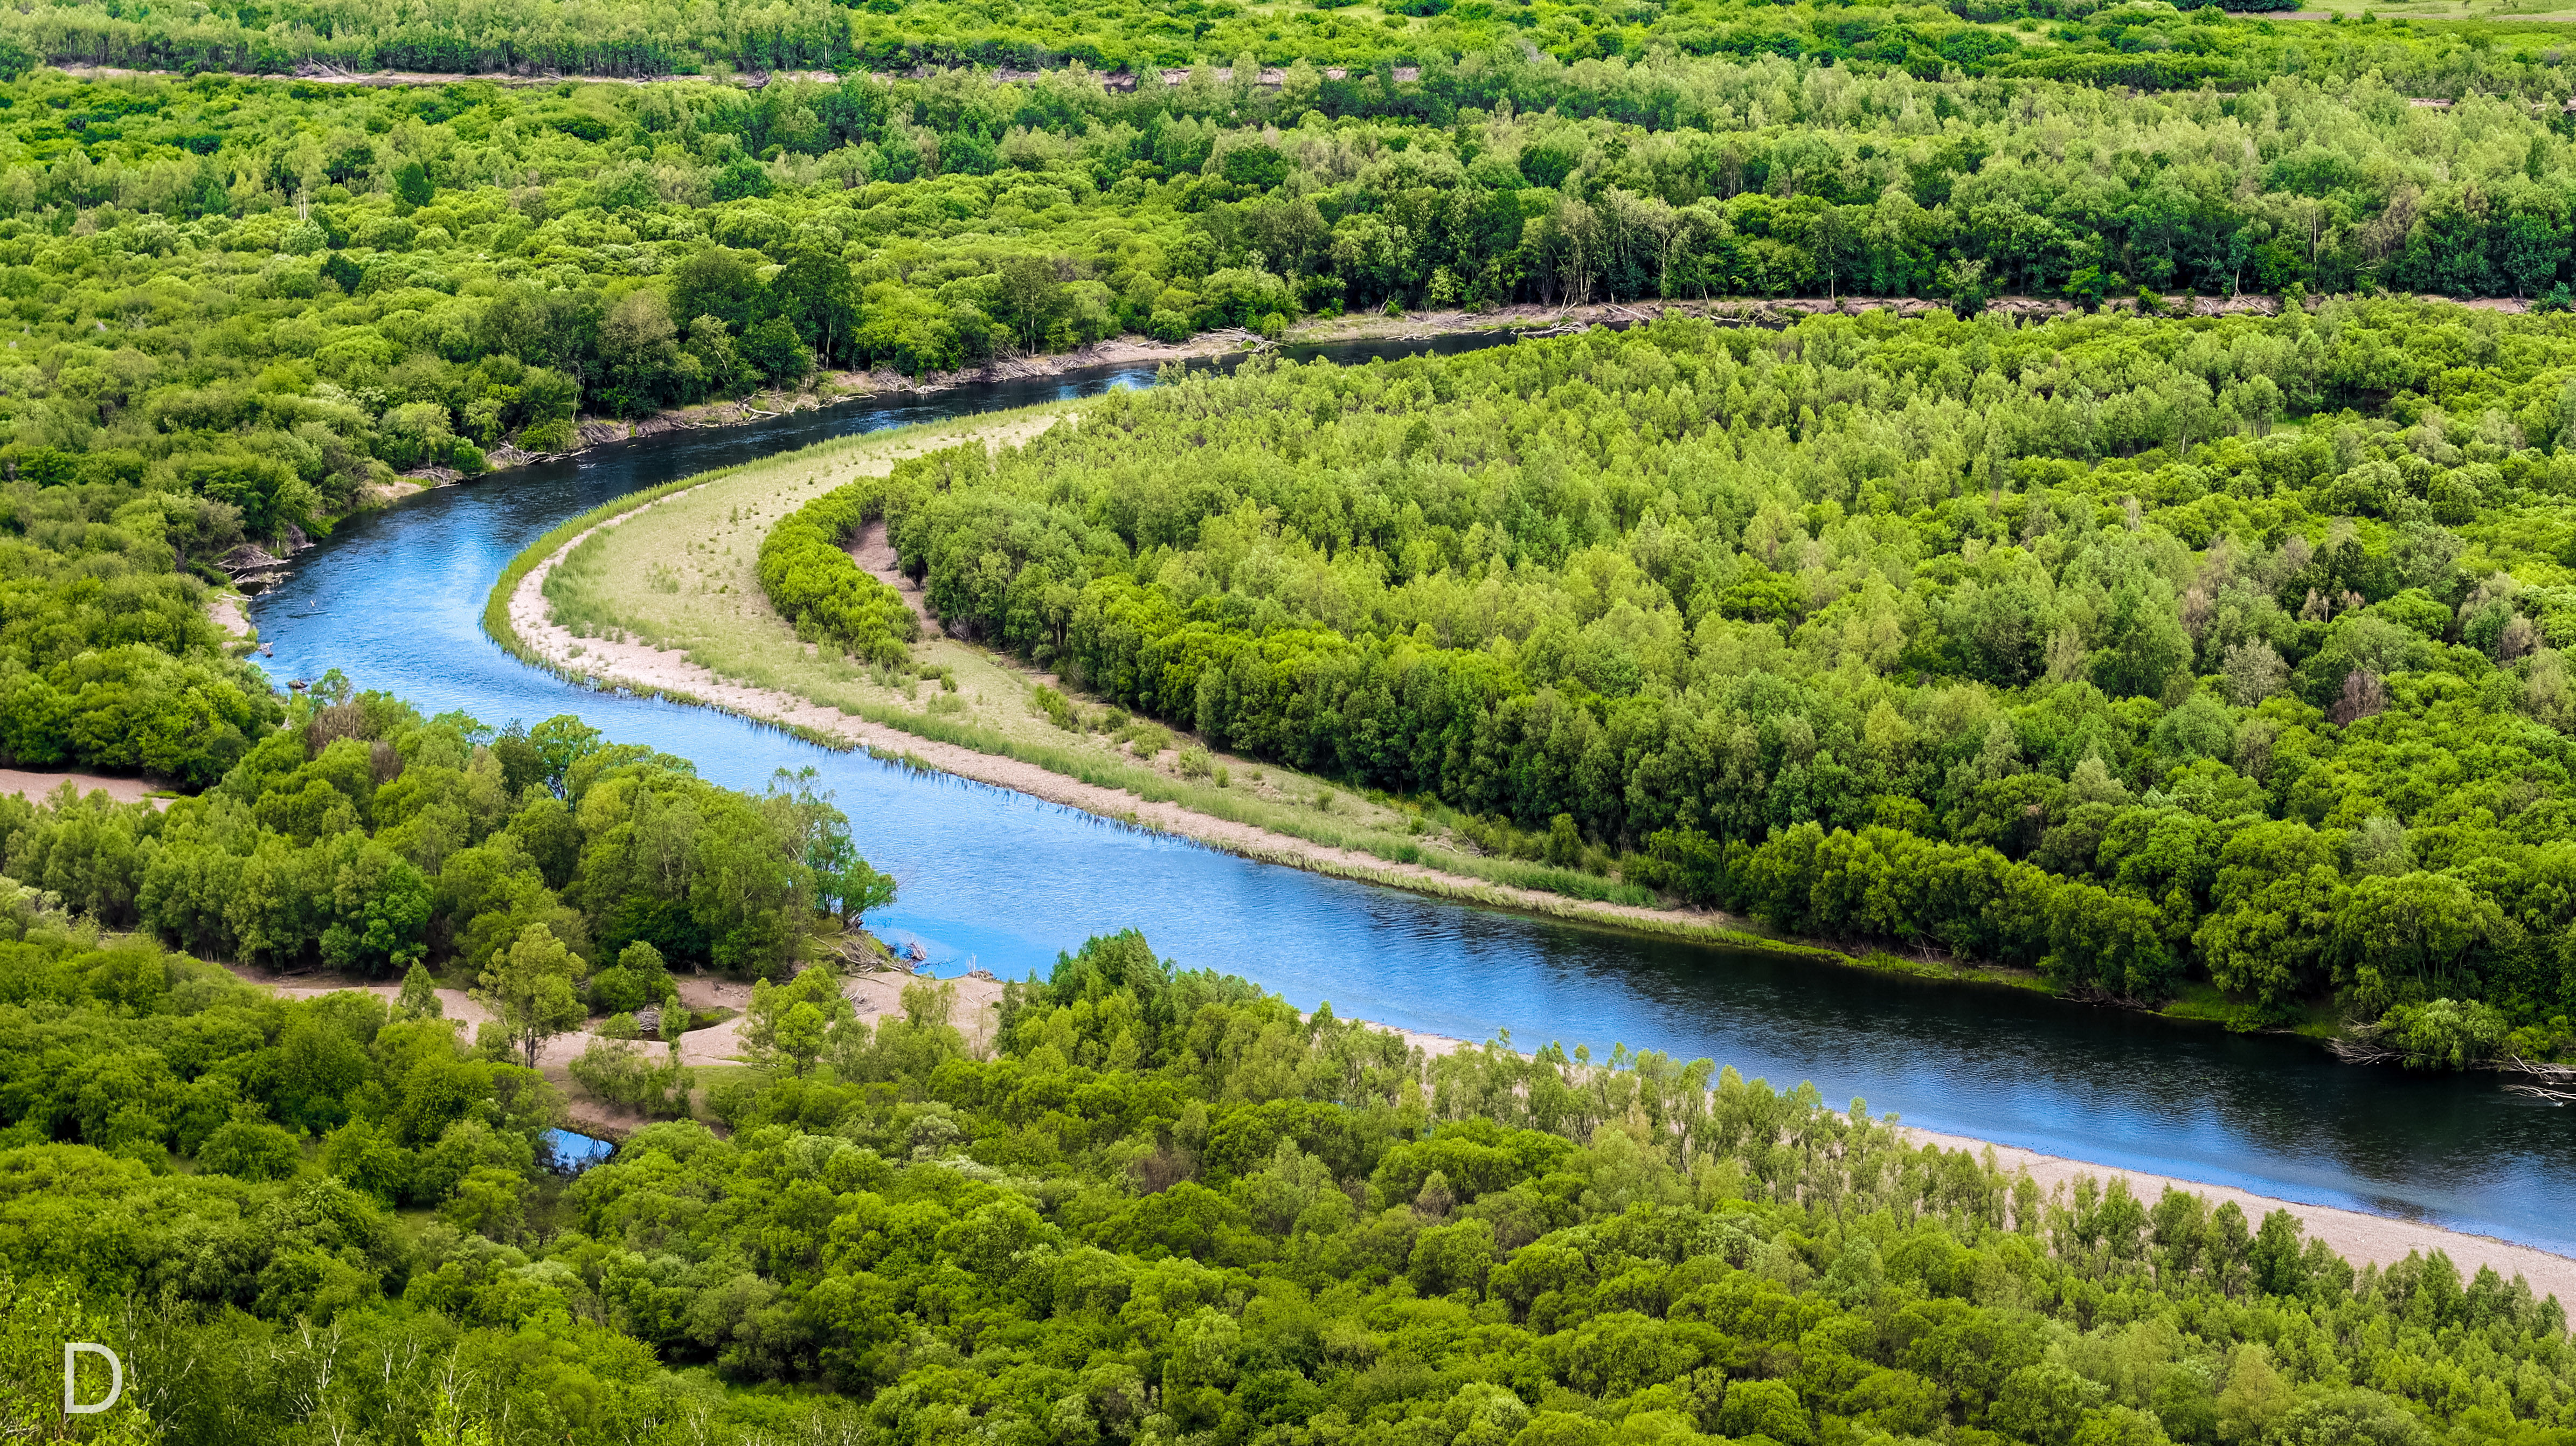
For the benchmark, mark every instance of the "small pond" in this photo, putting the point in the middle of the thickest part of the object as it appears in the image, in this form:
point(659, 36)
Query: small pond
point(570, 1153)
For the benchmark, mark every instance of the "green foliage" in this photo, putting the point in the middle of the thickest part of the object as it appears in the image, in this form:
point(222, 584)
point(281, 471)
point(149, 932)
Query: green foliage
point(1538, 48)
point(249, 1149)
point(807, 571)
point(107, 659)
point(266, 296)
point(2047, 644)
point(1191, 1208)
point(529, 990)
point(369, 839)
point(627, 1076)
point(2444, 1033)
point(794, 1023)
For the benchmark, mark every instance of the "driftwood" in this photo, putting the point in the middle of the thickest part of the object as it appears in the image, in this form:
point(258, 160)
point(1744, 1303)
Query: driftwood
point(2360, 1051)
point(2555, 1083)
point(2553, 1073)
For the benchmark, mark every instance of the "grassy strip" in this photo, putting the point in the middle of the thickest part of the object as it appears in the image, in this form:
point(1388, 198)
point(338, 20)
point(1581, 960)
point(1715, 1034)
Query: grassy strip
point(1493, 875)
point(496, 606)
point(1473, 879)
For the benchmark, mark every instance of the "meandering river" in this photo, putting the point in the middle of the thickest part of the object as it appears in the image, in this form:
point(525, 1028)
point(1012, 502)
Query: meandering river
point(394, 600)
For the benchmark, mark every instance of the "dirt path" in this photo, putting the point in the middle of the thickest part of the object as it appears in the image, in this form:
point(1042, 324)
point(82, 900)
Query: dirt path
point(38, 787)
point(976, 1011)
point(874, 996)
point(876, 557)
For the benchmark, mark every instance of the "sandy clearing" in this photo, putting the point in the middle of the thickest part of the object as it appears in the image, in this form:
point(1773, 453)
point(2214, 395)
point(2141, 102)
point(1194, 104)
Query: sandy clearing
point(877, 558)
point(224, 610)
point(718, 1044)
point(976, 1012)
point(40, 786)
point(874, 996)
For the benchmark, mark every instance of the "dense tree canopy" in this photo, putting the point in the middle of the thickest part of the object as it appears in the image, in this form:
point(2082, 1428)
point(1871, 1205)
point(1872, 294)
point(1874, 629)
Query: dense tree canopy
point(1163, 1208)
point(276, 295)
point(1299, 48)
point(107, 657)
point(367, 839)
point(272, 294)
point(2053, 644)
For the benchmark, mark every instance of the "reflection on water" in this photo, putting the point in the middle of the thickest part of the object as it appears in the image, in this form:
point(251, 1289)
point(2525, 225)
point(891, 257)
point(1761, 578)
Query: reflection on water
point(997, 879)
point(570, 1153)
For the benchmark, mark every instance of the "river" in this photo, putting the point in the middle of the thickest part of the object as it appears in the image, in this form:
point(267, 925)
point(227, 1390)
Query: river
point(394, 599)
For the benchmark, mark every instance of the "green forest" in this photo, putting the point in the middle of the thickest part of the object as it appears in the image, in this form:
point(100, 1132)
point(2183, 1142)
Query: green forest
point(1137, 42)
point(2157, 654)
point(276, 295)
point(365, 839)
point(2059, 645)
point(1155, 1206)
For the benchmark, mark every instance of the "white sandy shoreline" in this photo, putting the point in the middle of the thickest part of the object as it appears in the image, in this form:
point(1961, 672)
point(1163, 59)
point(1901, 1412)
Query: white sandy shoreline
point(2358, 1236)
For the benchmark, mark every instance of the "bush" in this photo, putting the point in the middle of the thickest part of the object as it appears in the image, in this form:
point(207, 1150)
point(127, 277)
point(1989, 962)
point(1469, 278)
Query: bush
point(633, 1077)
point(825, 595)
point(615, 991)
point(247, 1147)
point(2444, 1034)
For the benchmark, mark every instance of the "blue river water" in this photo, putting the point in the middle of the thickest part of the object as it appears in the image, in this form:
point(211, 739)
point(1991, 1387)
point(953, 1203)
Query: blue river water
point(394, 599)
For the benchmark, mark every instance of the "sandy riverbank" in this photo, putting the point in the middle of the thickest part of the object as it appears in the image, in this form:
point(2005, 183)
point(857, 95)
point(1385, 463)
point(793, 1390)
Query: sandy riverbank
point(669, 672)
point(2357, 1236)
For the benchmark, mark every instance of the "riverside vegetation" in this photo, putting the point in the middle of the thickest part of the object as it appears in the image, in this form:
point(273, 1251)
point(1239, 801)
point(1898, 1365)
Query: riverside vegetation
point(2058, 645)
point(1162, 1207)
point(677, 569)
point(272, 295)
point(245, 305)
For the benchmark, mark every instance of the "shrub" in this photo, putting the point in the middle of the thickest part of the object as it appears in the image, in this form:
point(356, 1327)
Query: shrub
point(247, 1147)
point(819, 589)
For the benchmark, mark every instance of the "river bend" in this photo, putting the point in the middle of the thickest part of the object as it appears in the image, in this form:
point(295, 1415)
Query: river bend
point(394, 599)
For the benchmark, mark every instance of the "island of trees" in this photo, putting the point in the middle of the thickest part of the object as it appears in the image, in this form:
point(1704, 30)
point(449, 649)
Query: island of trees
point(2055, 645)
